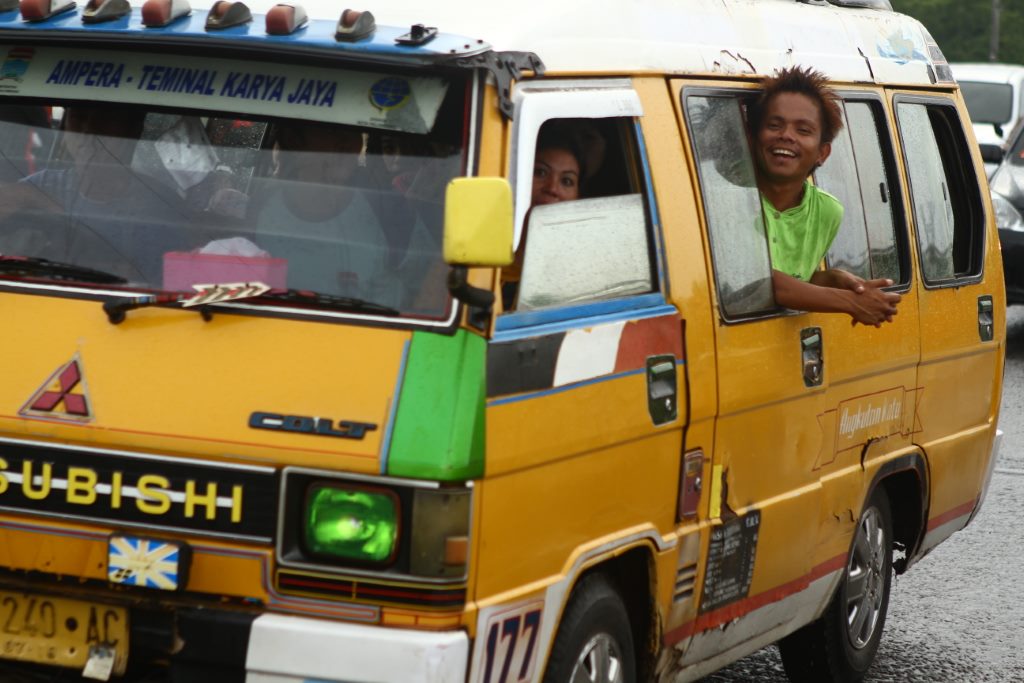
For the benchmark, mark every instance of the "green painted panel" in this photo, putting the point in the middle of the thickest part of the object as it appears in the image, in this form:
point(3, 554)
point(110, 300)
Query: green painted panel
point(439, 426)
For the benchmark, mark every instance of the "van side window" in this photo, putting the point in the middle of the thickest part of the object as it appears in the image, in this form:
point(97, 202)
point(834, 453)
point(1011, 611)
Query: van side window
point(948, 210)
point(592, 242)
point(732, 204)
point(859, 173)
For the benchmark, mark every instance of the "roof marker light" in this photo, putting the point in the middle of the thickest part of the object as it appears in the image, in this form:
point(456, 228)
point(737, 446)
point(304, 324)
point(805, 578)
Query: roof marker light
point(418, 35)
point(39, 10)
point(284, 20)
point(159, 13)
point(97, 11)
point(225, 14)
point(355, 25)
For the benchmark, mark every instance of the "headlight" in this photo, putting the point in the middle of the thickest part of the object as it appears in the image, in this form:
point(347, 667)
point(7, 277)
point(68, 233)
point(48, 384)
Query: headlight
point(381, 527)
point(351, 523)
point(1007, 217)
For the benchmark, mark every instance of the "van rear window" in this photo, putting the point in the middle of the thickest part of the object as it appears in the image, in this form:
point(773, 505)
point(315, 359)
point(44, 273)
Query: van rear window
point(948, 211)
point(861, 174)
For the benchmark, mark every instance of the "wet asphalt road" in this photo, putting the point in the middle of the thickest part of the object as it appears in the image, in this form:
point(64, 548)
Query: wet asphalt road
point(958, 615)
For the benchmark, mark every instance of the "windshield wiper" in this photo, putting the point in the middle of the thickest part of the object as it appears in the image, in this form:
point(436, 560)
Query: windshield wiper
point(116, 310)
point(331, 301)
point(69, 272)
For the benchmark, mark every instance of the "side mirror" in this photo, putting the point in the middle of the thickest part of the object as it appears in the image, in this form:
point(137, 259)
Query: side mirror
point(478, 222)
point(991, 154)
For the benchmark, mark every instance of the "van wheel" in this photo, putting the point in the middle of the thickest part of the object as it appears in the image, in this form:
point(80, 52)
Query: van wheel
point(840, 646)
point(594, 642)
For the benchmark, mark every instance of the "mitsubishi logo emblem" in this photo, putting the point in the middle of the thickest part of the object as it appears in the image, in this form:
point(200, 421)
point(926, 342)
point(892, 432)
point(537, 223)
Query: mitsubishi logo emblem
point(63, 396)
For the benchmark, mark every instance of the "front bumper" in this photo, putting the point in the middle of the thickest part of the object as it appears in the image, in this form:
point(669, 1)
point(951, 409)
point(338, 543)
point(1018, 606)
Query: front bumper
point(210, 645)
point(287, 649)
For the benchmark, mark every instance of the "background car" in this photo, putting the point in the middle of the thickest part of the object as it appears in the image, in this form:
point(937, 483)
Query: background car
point(994, 95)
point(1007, 185)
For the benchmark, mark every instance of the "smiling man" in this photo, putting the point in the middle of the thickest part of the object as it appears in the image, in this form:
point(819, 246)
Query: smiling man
point(793, 124)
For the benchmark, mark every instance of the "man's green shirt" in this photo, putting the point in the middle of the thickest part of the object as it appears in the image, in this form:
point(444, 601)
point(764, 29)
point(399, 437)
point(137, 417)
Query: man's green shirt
point(798, 238)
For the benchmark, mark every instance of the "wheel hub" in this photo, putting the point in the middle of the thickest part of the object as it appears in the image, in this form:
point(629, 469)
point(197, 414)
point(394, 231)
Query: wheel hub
point(865, 580)
point(599, 662)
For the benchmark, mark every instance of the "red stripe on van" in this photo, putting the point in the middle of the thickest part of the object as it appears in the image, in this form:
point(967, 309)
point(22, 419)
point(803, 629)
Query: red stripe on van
point(649, 337)
point(949, 515)
point(743, 607)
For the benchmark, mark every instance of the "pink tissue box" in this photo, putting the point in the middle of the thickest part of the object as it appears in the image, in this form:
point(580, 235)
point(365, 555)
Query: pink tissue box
point(183, 269)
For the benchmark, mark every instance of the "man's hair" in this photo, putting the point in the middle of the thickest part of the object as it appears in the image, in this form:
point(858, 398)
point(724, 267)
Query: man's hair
point(802, 81)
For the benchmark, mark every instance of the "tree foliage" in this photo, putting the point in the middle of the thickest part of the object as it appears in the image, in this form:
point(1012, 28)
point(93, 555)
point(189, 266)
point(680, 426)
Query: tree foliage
point(962, 28)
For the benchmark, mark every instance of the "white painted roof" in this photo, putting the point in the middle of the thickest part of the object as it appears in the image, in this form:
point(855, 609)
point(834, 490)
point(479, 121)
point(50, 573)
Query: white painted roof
point(671, 36)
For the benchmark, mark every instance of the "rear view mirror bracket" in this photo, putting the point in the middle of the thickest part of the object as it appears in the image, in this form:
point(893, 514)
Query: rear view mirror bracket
point(505, 67)
point(480, 301)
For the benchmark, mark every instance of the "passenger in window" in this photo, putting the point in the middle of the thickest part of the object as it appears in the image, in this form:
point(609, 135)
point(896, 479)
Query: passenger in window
point(406, 179)
point(94, 199)
point(557, 172)
point(313, 215)
point(98, 143)
point(793, 124)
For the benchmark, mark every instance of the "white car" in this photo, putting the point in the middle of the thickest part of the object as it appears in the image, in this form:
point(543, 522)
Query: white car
point(993, 93)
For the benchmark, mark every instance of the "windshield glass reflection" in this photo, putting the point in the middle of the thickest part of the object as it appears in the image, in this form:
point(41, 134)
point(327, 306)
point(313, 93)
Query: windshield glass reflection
point(170, 200)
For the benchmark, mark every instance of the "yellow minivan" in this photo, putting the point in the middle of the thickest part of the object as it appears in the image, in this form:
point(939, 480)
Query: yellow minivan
point(289, 395)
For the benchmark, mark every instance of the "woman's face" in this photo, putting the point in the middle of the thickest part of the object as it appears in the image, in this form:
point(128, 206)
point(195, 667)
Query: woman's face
point(556, 176)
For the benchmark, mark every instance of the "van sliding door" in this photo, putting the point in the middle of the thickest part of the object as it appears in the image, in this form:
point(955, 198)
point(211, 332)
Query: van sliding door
point(962, 306)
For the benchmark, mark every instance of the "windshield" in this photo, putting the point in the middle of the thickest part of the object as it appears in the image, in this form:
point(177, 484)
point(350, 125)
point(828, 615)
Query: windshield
point(170, 199)
point(988, 102)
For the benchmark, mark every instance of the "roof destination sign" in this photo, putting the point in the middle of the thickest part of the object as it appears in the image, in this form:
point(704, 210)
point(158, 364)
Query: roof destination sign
point(359, 98)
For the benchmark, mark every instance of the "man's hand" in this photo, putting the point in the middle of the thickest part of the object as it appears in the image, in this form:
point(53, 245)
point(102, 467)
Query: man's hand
point(876, 307)
point(836, 291)
point(873, 305)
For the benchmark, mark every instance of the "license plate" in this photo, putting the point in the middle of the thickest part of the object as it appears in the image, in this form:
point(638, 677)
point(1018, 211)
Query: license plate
point(60, 631)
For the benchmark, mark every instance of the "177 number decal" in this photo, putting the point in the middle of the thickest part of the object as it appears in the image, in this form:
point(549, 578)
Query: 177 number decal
point(510, 647)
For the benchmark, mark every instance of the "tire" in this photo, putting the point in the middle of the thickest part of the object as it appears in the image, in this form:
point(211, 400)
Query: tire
point(841, 645)
point(594, 642)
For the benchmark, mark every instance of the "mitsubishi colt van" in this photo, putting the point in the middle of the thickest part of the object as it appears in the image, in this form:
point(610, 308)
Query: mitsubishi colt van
point(298, 386)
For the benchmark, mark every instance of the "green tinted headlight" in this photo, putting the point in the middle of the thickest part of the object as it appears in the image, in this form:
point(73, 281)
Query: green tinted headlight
point(351, 523)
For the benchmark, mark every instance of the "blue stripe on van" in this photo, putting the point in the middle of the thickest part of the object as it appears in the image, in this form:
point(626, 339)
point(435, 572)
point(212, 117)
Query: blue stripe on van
point(652, 205)
point(519, 324)
point(569, 387)
point(318, 33)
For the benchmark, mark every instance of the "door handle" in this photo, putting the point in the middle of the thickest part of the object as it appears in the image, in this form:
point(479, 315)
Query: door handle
point(986, 324)
point(661, 389)
point(811, 356)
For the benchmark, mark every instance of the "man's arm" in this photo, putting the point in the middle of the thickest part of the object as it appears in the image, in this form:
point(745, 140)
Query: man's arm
point(837, 292)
